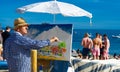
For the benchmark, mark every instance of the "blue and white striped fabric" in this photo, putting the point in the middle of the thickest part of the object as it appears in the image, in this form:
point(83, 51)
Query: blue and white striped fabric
point(17, 52)
point(80, 65)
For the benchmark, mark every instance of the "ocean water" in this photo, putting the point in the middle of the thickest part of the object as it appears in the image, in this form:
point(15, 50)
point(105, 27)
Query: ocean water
point(78, 34)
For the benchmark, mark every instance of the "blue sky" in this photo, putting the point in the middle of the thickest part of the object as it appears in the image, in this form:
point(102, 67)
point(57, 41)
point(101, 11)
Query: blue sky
point(106, 14)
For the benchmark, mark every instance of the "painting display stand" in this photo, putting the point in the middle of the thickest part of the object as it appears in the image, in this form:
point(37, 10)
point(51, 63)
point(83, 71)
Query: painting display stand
point(46, 65)
point(46, 57)
point(36, 63)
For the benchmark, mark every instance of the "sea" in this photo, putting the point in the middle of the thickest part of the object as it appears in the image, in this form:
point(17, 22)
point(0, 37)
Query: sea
point(78, 34)
point(113, 35)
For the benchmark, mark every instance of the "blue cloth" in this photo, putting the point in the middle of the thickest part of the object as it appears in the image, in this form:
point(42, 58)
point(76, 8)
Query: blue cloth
point(17, 51)
point(3, 65)
point(60, 66)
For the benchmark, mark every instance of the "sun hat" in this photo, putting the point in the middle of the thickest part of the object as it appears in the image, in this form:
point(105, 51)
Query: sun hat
point(19, 22)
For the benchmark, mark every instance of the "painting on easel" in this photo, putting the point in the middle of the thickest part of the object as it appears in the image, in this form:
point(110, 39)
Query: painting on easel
point(58, 50)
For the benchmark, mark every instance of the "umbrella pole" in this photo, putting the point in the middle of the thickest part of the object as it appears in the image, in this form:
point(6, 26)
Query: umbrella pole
point(90, 21)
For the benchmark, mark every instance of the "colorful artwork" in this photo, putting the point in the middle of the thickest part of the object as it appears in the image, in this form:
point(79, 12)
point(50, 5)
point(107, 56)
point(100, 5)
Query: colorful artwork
point(58, 50)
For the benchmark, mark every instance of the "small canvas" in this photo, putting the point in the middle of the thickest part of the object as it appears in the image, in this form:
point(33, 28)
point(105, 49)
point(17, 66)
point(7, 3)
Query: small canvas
point(60, 50)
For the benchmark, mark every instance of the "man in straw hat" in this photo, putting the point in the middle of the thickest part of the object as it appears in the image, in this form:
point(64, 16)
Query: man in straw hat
point(17, 47)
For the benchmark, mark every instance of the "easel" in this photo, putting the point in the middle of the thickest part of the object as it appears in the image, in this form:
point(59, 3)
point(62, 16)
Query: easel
point(45, 64)
point(36, 63)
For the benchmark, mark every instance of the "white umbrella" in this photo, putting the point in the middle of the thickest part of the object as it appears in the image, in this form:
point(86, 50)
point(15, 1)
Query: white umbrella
point(55, 7)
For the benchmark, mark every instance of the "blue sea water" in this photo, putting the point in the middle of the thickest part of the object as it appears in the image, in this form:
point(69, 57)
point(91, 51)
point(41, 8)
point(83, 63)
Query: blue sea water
point(114, 42)
point(78, 34)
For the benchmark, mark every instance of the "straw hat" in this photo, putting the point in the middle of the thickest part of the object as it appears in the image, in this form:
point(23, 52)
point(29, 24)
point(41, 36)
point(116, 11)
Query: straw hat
point(19, 22)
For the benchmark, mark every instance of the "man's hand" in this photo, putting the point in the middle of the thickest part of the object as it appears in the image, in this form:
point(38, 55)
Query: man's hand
point(54, 39)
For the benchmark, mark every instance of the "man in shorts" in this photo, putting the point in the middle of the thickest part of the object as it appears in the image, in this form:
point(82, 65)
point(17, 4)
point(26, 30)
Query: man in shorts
point(87, 45)
point(97, 43)
point(106, 47)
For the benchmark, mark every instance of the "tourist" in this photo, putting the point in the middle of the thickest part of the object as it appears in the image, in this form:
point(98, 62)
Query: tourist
point(96, 46)
point(1, 39)
point(79, 53)
point(1, 48)
point(87, 46)
point(5, 35)
point(101, 48)
point(107, 46)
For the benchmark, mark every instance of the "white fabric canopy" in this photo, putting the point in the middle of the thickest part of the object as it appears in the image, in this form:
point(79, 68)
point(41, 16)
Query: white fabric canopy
point(55, 7)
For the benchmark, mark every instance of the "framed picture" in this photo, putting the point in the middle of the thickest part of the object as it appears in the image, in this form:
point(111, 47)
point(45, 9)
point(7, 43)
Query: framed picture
point(58, 50)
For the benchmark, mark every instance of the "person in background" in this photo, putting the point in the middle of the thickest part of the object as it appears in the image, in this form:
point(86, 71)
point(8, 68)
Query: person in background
point(79, 53)
point(18, 47)
point(87, 46)
point(101, 48)
point(106, 47)
point(1, 48)
point(115, 56)
point(1, 40)
point(97, 43)
point(5, 35)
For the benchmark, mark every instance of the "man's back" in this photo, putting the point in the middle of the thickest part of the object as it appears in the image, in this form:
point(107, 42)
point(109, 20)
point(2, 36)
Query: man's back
point(97, 42)
point(86, 42)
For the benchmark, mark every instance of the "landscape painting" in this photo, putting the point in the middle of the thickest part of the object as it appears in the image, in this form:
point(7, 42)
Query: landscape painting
point(60, 50)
